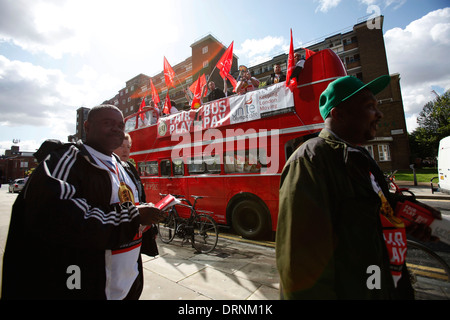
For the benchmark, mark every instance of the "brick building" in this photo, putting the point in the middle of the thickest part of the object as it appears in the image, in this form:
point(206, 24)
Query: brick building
point(15, 163)
point(206, 52)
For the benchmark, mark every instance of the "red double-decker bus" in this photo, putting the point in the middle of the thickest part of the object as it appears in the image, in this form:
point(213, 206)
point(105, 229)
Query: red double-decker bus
point(232, 150)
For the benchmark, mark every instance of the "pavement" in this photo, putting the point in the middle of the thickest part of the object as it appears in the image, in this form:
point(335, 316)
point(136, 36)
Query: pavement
point(238, 269)
point(423, 190)
point(235, 270)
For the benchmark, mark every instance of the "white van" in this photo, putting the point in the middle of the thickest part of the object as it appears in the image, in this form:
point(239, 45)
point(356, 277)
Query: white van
point(444, 165)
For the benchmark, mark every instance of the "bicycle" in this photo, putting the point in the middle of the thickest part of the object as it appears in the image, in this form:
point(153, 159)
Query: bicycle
point(200, 229)
point(390, 179)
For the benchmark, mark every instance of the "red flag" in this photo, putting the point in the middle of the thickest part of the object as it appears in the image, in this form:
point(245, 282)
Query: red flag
point(168, 74)
point(291, 83)
point(224, 64)
point(196, 102)
point(141, 108)
point(202, 80)
point(233, 81)
point(155, 96)
point(167, 104)
point(308, 53)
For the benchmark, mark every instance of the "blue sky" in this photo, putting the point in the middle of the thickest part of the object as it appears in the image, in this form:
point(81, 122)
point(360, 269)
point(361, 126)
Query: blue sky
point(59, 55)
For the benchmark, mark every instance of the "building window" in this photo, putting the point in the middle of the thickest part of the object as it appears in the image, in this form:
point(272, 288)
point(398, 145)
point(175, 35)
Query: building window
point(370, 150)
point(205, 64)
point(205, 50)
point(384, 153)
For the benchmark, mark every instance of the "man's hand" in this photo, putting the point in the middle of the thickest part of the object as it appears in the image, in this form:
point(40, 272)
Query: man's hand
point(149, 214)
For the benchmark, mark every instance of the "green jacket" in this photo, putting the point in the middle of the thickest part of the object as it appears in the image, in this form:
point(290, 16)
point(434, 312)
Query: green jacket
point(329, 230)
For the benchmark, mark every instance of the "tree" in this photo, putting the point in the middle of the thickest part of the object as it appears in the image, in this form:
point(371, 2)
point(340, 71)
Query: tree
point(434, 124)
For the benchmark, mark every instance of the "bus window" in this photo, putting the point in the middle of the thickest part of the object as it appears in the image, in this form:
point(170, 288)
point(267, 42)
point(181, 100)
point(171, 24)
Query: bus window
point(149, 168)
point(165, 167)
point(249, 162)
point(130, 124)
point(152, 168)
point(196, 166)
point(228, 162)
point(178, 167)
point(141, 168)
point(212, 164)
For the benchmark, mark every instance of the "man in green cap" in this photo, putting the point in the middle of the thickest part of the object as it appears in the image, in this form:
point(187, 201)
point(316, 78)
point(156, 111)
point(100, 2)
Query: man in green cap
point(334, 207)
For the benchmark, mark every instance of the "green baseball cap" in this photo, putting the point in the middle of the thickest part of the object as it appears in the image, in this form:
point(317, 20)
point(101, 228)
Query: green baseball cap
point(346, 87)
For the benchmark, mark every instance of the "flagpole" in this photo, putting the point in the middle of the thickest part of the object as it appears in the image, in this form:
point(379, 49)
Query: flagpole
point(209, 77)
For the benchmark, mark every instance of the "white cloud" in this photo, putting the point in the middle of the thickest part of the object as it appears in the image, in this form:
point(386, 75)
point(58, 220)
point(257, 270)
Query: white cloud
point(256, 51)
point(411, 122)
point(27, 92)
point(396, 3)
point(40, 26)
point(419, 52)
point(34, 96)
point(103, 32)
point(325, 5)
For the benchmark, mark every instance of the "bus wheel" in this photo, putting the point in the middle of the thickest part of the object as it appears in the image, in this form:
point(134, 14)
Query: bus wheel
point(250, 219)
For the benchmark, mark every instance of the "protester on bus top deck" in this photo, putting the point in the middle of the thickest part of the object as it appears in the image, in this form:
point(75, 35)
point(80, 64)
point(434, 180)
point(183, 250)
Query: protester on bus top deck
point(151, 115)
point(246, 82)
point(77, 221)
point(215, 93)
point(277, 76)
point(334, 207)
point(299, 63)
point(152, 104)
point(173, 109)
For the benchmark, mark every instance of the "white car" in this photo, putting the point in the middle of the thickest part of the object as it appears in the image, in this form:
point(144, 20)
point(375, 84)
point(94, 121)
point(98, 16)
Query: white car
point(16, 185)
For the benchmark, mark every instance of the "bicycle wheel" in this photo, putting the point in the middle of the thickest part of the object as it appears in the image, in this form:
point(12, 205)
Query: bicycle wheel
point(205, 233)
point(424, 263)
point(167, 228)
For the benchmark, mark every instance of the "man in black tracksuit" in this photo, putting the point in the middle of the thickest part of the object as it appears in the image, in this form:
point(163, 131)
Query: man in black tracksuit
point(75, 228)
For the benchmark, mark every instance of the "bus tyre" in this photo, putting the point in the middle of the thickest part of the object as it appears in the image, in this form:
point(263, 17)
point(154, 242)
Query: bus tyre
point(250, 219)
